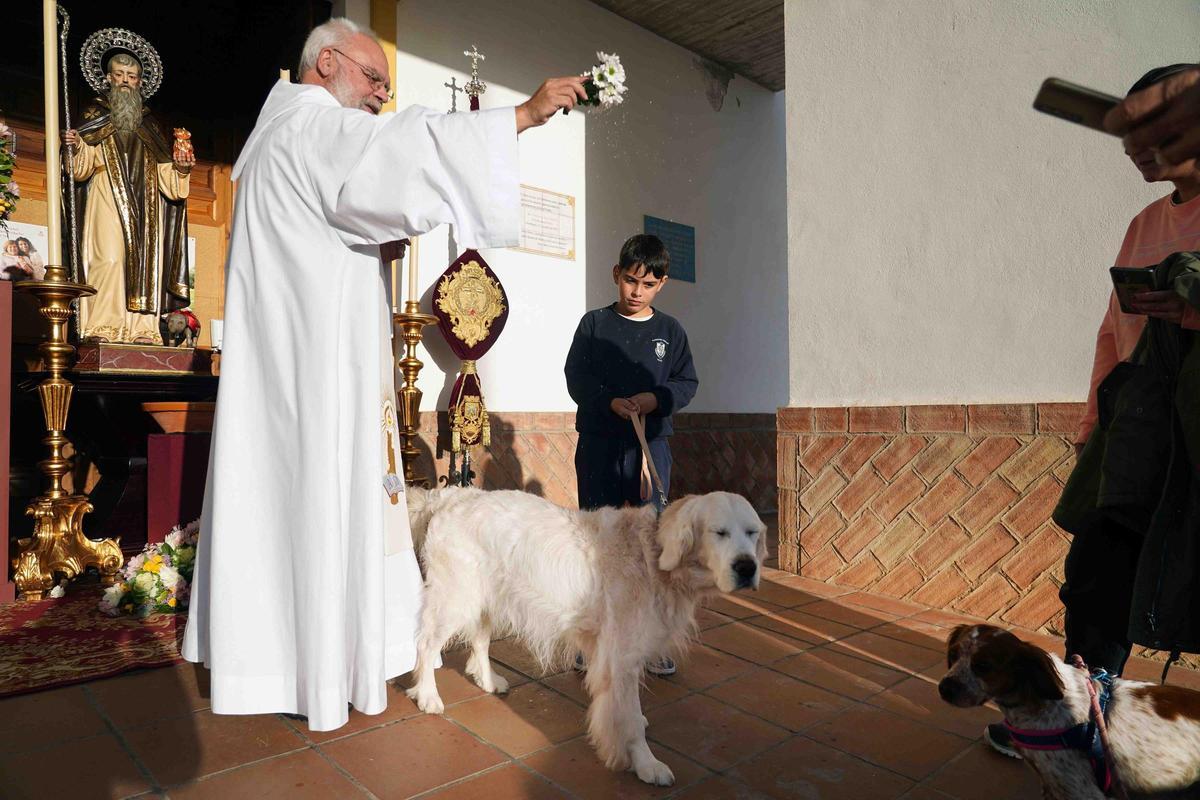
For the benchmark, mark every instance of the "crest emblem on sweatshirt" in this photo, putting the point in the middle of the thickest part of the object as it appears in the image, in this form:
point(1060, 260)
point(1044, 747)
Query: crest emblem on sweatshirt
point(660, 348)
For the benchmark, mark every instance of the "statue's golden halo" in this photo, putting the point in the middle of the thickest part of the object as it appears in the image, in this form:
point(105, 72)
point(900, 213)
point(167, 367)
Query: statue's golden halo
point(100, 44)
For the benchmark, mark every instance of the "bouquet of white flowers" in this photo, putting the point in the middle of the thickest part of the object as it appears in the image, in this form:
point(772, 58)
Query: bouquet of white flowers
point(605, 85)
point(157, 580)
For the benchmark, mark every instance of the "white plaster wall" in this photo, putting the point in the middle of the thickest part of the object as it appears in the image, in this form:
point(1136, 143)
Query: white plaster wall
point(946, 243)
point(666, 152)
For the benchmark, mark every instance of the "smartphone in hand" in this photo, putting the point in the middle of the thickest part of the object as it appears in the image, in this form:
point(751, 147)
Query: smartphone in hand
point(1128, 281)
point(1074, 103)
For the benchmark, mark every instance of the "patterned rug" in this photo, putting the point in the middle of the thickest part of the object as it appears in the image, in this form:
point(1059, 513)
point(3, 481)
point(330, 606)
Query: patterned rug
point(52, 643)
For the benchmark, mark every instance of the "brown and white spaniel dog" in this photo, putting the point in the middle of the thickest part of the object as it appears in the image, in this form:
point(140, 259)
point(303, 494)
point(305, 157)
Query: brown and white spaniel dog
point(1153, 731)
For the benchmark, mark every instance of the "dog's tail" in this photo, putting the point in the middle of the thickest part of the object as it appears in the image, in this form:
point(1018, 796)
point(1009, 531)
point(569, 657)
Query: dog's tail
point(421, 503)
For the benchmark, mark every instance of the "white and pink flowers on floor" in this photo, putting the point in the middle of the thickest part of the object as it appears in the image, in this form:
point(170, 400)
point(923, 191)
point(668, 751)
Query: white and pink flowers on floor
point(156, 580)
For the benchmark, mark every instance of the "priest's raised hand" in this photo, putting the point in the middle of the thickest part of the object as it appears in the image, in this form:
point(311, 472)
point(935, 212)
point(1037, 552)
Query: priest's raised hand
point(552, 95)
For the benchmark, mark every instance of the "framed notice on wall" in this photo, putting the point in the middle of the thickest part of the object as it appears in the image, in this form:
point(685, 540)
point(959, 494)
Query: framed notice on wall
point(681, 244)
point(547, 223)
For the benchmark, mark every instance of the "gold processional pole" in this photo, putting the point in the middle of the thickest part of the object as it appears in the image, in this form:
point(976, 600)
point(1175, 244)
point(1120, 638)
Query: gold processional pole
point(412, 322)
point(58, 544)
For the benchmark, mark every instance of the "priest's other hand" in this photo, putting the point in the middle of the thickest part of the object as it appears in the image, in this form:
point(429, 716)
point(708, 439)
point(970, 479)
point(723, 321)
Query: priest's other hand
point(392, 251)
point(552, 95)
point(70, 137)
point(1163, 117)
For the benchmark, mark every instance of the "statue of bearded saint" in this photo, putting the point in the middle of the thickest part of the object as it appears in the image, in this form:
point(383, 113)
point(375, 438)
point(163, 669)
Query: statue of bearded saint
point(133, 189)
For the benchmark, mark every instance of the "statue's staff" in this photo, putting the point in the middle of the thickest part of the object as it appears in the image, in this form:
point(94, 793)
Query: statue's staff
point(62, 50)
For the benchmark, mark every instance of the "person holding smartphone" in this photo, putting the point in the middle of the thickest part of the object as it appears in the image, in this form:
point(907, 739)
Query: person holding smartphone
point(1101, 566)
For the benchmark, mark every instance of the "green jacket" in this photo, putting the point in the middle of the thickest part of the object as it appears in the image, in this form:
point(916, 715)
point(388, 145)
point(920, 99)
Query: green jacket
point(1138, 469)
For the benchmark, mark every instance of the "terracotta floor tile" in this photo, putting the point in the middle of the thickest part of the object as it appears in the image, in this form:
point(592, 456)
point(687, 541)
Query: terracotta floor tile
point(720, 788)
point(529, 718)
point(453, 684)
point(947, 619)
point(879, 602)
point(923, 792)
point(981, 774)
point(31, 721)
point(656, 691)
point(176, 691)
point(707, 618)
point(857, 616)
point(781, 594)
point(752, 643)
point(714, 734)
point(398, 707)
point(740, 605)
point(182, 749)
point(889, 740)
point(813, 587)
point(890, 652)
point(510, 782)
point(915, 632)
point(412, 756)
point(575, 766)
point(512, 654)
point(799, 624)
point(804, 768)
point(98, 768)
point(918, 699)
point(777, 698)
point(305, 775)
point(839, 672)
point(702, 667)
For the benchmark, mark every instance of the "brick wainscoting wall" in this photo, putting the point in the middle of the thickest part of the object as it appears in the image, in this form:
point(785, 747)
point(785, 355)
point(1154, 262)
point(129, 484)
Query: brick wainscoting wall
point(945, 505)
point(536, 452)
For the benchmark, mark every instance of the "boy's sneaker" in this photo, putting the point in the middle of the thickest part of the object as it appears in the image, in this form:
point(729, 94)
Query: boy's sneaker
point(579, 665)
point(663, 666)
point(1001, 740)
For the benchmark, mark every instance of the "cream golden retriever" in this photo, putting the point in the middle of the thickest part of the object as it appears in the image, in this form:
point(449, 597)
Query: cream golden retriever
point(619, 585)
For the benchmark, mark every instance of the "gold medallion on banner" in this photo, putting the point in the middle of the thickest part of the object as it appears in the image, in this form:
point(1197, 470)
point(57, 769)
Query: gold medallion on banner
point(473, 301)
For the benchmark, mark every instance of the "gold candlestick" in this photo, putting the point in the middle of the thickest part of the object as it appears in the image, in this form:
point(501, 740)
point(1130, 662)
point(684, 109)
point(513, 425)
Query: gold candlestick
point(58, 544)
point(411, 323)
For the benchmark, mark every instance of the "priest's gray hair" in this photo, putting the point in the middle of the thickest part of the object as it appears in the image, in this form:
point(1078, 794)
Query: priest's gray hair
point(333, 33)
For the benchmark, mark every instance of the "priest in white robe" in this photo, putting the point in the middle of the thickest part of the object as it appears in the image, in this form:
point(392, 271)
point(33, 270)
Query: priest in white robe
point(306, 589)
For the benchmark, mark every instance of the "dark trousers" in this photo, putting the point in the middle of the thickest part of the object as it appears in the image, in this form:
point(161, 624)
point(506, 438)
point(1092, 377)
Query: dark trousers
point(608, 470)
point(1098, 593)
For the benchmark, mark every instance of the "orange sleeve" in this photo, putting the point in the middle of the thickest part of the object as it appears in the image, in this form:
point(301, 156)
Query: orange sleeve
point(1105, 359)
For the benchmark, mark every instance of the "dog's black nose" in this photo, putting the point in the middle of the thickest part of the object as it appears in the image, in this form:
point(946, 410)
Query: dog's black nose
point(948, 688)
point(745, 568)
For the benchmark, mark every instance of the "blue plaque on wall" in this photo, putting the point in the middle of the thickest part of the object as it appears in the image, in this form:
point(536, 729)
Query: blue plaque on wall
point(681, 244)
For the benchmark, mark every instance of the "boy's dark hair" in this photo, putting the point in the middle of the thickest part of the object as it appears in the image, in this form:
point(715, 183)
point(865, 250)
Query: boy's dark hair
point(1157, 74)
point(648, 251)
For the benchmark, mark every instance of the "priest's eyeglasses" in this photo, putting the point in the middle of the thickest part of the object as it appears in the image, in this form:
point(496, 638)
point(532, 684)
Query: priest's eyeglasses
point(377, 81)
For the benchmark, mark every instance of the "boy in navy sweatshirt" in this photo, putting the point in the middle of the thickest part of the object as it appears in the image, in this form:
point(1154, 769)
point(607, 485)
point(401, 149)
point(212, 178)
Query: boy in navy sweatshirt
point(628, 357)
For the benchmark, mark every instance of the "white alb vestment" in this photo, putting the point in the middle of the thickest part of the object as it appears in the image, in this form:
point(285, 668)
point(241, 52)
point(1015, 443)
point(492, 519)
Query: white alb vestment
point(306, 589)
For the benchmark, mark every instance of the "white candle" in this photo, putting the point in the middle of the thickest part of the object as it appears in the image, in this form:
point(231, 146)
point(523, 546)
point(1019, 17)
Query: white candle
point(412, 269)
point(53, 165)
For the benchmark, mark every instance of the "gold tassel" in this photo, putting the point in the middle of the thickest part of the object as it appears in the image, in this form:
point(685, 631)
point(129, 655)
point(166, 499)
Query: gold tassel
point(455, 441)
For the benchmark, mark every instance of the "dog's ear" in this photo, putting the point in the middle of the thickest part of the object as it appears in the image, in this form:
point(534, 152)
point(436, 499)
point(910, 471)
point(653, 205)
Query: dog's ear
point(1035, 676)
point(760, 546)
point(676, 535)
point(952, 644)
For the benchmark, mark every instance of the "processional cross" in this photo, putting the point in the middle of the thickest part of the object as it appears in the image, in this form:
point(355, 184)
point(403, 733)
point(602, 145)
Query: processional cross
point(475, 87)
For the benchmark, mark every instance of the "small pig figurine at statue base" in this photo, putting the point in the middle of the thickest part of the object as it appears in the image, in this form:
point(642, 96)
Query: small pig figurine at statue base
point(183, 143)
point(182, 329)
